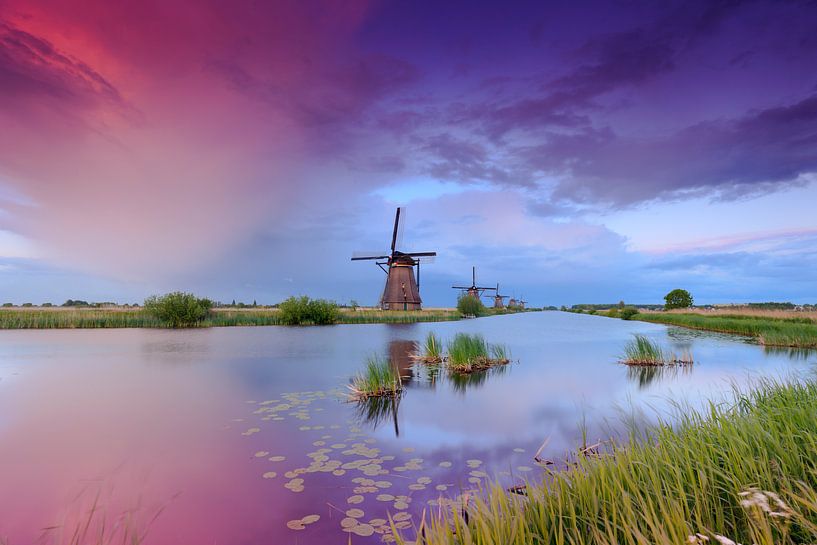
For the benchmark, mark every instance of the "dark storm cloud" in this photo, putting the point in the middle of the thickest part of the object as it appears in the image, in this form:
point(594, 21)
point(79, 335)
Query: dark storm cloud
point(31, 66)
point(736, 157)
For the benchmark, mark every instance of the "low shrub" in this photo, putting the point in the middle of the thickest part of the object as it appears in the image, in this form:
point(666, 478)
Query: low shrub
point(627, 313)
point(303, 310)
point(469, 305)
point(178, 309)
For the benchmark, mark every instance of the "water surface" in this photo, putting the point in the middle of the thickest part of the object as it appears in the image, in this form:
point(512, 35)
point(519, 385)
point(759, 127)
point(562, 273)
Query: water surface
point(232, 433)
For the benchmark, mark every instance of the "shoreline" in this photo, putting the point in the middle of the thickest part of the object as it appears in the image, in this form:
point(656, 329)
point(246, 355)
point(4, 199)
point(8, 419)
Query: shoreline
point(127, 318)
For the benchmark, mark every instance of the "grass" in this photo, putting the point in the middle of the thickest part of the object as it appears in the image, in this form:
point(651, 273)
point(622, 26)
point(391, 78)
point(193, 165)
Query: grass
point(378, 379)
point(432, 349)
point(73, 318)
point(739, 471)
point(468, 353)
point(787, 332)
point(642, 351)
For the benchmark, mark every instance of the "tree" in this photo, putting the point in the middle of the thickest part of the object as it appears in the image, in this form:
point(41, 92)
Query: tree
point(303, 310)
point(178, 309)
point(468, 305)
point(621, 304)
point(678, 298)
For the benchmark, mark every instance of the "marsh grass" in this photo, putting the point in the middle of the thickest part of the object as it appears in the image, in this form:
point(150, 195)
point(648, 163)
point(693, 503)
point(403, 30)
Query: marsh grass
point(642, 351)
point(469, 353)
point(432, 349)
point(786, 332)
point(379, 378)
point(742, 470)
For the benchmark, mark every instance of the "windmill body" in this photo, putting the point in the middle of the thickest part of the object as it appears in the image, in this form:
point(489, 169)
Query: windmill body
point(473, 290)
point(402, 290)
point(499, 302)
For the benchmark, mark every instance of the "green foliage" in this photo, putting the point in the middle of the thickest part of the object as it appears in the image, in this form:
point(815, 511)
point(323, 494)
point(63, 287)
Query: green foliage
point(769, 331)
point(612, 313)
point(432, 349)
point(27, 305)
point(642, 351)
point(466, 349)
point(468, 305)
point(47, 305)
point(627, 313)
point(178, 309)
point(379, 378)
point(303, 310)
point(677, 298)
point(7, 305)
point(75, 303)
point(742, 470)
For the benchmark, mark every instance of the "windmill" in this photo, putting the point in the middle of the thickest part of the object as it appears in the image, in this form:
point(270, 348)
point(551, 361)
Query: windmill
point(498, 299)
point(521, 303)
point(473, 290)
point(402, 291)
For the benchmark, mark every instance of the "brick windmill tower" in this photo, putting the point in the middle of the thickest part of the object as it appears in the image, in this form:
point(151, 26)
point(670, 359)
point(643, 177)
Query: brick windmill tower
point(473, 290)
point(402, 291)
point(498, 299)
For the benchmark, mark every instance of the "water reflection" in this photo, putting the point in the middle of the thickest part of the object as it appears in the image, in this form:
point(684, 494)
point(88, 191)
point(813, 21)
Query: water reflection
point(645, 375)
point(462, 382)
point(798, 354)
point(375, 411)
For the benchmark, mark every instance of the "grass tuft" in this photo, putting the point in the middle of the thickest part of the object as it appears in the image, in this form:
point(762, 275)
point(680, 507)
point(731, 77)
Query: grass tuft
point(642, 351)
point(379, 378)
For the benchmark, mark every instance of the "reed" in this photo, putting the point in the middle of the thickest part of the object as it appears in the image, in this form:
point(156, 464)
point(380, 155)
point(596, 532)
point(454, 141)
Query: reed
point(379, 378)
point(788, 332)
point(469, 353)
point(642, 351)
point(742, 470)
point(432, 349)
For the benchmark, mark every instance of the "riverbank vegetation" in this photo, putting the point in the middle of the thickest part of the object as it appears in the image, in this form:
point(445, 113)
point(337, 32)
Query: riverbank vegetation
point(741, 471)
point(797, 332)
point(178, 309)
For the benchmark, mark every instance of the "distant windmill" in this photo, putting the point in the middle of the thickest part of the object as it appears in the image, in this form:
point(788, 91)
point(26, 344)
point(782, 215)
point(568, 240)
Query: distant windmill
point(473, 290)
point(402, 291)
point(498, 299)
point(521, 303)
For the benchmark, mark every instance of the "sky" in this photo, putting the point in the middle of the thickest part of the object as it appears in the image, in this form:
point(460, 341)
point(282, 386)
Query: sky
point(574, 152)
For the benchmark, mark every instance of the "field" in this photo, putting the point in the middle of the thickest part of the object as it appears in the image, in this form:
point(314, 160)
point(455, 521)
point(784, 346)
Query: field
point(740, 471)
point(770, 328)
point(119, 317)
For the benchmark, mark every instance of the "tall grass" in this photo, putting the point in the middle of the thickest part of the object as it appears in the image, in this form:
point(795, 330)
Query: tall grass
point(379, 378)
point(743, 471)
point(432, 349)
point(642, 351)
point(792, 332)
point(467, 353)
point(62, 318)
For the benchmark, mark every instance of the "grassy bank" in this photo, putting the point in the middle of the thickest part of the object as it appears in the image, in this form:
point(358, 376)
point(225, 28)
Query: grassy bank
point(799, 332)
point(738, 472)
point(85, 318)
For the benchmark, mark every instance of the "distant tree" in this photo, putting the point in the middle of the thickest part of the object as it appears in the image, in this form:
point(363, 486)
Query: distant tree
point(353, 304)
point(254, 303)
point(621, 304)
point(303, 310)
point(233, 303)
point(627, 313)
point(47, 305)
point(178, 309)
point(8, 304)
point(28, 305)
point(678, 298)
point(563, 308)
point(468, 305)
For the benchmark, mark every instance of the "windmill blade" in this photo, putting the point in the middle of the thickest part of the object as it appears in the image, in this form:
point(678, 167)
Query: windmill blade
point(461, 287)
point(420, 254)
point(396, 227)
point(485, 289)
point(473, 276)
point(425, 260)
point(361, 256)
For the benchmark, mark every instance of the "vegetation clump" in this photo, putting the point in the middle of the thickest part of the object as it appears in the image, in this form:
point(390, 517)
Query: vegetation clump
point(303, 310)
point(378, 379)
point(627, 313)
point(468, 305)
point(677, 298)
point(469, 353)
point(642, 351)
point(178, 309)
point(432, 349)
